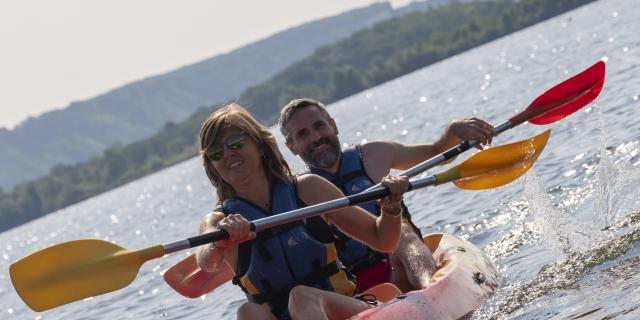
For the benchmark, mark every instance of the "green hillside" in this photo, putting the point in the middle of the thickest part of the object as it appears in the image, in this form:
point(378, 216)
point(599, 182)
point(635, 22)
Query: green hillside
point(385, 51)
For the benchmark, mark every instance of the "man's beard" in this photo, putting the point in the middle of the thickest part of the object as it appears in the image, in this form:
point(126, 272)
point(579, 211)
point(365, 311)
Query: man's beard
point(324, 159)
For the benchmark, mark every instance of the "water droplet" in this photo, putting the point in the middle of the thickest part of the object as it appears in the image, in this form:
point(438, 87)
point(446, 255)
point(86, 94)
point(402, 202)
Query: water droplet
point(141, 292)
point(635, 98)
point(614, 14)
point(138, 232)
point(570, 173)
point(114, 218)
point(404, 132)
point(487, 76)
point(610, 39)
point(423, 99)
point(383, 127)
point(188, 187)
point(10, 311)
point(625, 49)
point(363, 141)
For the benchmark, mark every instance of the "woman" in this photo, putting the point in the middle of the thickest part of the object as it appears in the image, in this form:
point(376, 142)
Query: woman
point(252, 180)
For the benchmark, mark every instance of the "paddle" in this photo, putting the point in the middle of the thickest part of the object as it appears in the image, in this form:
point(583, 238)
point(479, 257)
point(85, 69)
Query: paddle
point(554, 104)
point(487, 169)
point(79, 269)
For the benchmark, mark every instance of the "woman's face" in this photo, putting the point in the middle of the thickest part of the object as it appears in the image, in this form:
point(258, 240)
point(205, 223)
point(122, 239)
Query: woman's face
point(235, 156)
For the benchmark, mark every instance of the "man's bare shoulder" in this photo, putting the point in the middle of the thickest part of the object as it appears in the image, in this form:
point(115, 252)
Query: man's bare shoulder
point(377, 157)
point(377, 147)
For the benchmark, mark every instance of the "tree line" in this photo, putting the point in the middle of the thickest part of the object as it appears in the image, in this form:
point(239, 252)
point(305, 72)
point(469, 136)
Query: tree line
point(370, 57)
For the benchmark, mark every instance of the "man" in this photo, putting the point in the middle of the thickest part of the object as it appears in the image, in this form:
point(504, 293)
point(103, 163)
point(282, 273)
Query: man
point(311, 133)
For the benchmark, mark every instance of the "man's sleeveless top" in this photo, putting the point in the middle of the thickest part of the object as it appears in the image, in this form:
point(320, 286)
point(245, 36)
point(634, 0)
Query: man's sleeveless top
point(351, 178)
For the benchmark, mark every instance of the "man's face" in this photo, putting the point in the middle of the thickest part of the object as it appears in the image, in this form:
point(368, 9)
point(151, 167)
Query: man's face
point(313, 137)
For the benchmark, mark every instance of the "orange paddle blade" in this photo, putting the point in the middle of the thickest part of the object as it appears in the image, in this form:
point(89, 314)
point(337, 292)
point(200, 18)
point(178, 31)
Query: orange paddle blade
point(189, 280)
point(496, 166)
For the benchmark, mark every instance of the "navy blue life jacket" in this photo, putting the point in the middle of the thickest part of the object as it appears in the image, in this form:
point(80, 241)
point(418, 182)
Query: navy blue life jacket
point(351, 178)
point(299, 253)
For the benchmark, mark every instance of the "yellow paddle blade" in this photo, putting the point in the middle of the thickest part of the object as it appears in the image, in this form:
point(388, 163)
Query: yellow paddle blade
point(76, 270)
point(497, 166)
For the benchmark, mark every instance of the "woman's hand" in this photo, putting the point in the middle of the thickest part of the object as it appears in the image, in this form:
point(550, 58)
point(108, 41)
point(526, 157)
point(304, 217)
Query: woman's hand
point(239, 230)
point(210, 256)
point(397, 185)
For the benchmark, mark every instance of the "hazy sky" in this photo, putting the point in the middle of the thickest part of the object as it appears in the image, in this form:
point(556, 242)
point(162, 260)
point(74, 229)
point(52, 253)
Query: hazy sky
point(55, 52)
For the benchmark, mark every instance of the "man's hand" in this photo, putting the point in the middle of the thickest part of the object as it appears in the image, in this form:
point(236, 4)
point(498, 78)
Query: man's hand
point(465, 129)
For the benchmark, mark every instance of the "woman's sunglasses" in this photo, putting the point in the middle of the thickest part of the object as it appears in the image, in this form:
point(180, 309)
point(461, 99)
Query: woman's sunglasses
point(234, 142)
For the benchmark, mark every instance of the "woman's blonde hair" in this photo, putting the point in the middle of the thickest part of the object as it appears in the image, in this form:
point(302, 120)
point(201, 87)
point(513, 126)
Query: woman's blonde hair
point(234, 115)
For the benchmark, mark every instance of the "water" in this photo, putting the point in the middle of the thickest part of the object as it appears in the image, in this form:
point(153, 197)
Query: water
point(565, 238)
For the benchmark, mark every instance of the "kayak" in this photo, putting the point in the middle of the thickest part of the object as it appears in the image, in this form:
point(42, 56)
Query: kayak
point(465, 278)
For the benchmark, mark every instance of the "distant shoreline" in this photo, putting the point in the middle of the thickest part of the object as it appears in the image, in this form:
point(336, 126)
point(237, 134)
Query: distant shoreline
point(368, 58)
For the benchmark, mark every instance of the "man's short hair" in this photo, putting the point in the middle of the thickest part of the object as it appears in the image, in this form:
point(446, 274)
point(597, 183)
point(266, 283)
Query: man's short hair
point(294, 105)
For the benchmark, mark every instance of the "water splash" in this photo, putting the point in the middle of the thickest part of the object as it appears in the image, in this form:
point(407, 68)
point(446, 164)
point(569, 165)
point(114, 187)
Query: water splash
point(562, 231)
point(582, 245)
point(616, 191)
point(562, 275)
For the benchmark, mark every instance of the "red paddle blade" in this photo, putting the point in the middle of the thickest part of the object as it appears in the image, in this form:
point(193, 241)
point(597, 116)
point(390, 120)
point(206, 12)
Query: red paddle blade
point(565, 98)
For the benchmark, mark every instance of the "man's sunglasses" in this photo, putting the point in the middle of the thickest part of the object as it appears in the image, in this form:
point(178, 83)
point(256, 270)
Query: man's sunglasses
point(234, 142)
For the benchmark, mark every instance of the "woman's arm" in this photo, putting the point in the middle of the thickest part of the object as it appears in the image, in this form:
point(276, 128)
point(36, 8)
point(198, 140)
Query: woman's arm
point(381, 233)
point(209, 256)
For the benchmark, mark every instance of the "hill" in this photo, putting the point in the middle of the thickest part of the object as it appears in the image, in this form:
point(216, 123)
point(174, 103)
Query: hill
point(387, 50)
point(136, 111)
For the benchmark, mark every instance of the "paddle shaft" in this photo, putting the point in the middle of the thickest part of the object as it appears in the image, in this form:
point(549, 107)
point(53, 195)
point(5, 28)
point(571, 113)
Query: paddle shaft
point(375, 192)
point(449, 154)
point(298, 214)
point(529, 113)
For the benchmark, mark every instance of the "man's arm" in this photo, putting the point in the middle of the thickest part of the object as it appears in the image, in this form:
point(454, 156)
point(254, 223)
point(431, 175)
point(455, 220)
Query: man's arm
point(380, 156)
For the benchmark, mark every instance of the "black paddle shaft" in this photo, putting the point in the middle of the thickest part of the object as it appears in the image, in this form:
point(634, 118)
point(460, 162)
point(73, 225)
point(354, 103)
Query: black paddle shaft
point(306, 212)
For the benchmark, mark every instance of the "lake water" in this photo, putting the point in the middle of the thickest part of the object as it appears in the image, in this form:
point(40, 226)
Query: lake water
point(564, 237)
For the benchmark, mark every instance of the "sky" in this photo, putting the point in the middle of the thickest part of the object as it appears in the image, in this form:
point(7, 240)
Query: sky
point(56, 52)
